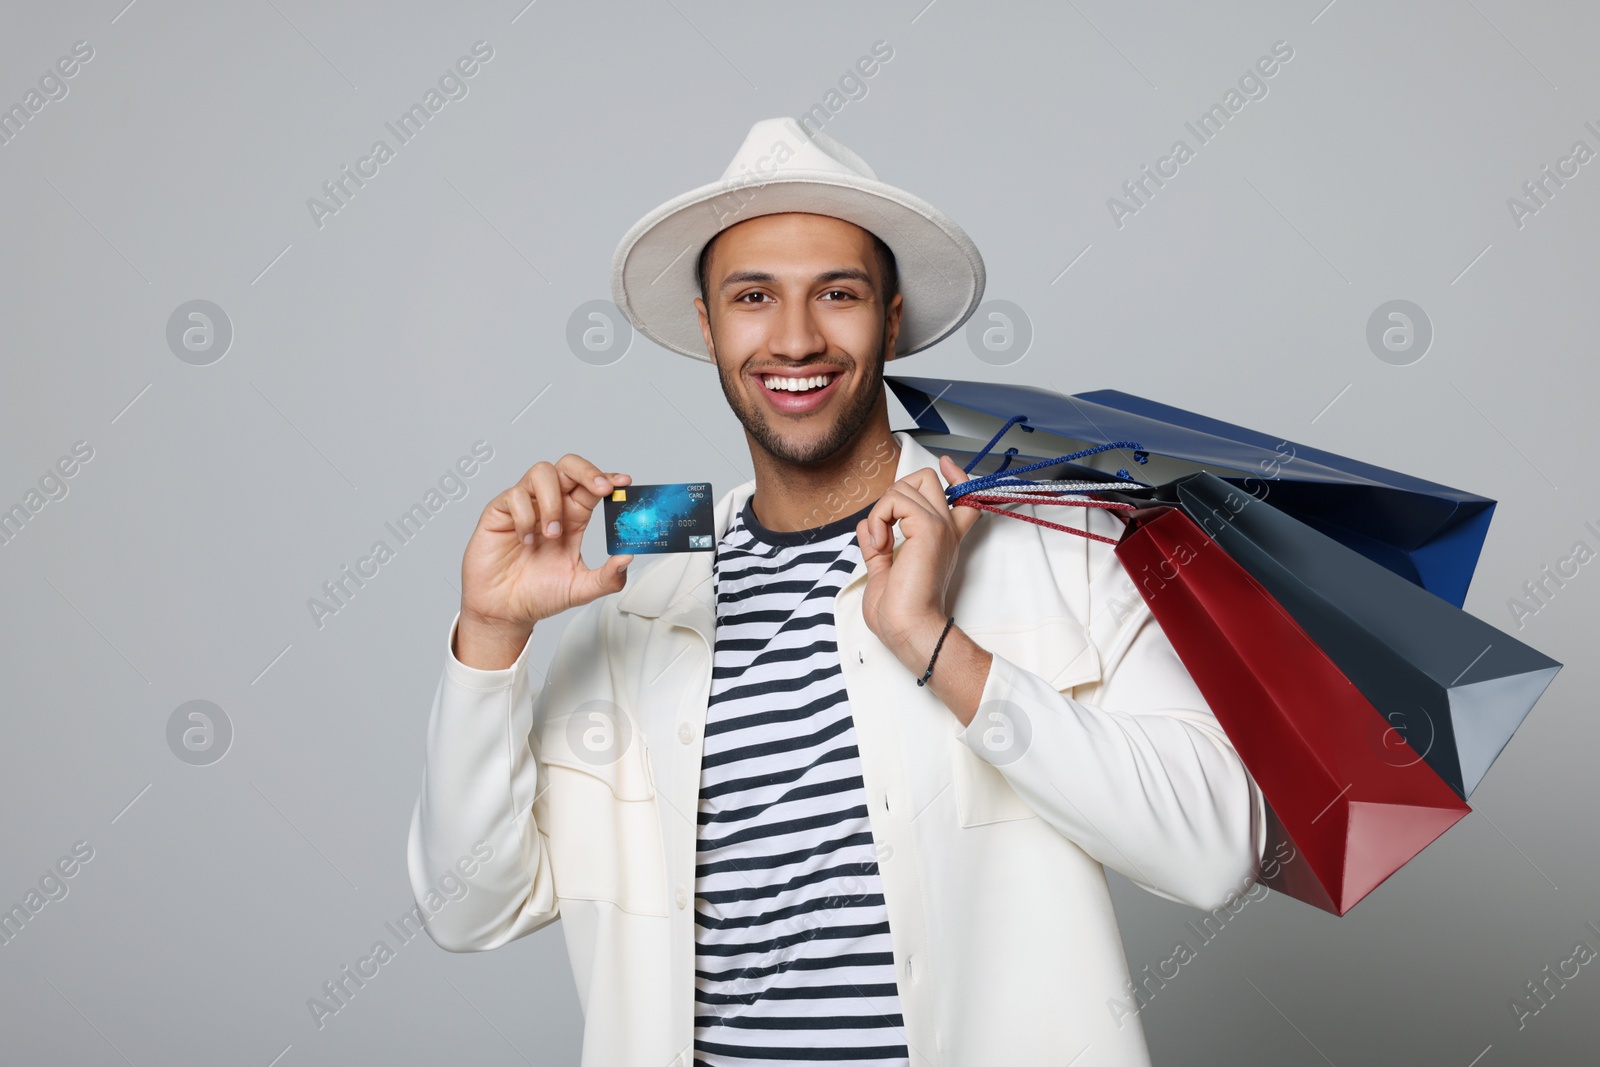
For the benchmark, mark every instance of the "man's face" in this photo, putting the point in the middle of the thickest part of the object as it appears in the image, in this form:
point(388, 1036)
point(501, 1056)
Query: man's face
point(789, 297)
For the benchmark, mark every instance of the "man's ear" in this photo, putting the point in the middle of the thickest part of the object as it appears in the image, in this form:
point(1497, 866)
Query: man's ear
point(705, 327)
point(891, 334)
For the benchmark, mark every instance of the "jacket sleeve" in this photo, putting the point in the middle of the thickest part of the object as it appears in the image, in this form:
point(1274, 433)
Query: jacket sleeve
point(1133, 768)
point(478, 863)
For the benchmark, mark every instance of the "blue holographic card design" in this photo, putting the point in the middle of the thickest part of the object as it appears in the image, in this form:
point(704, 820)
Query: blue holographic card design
point(660, 518)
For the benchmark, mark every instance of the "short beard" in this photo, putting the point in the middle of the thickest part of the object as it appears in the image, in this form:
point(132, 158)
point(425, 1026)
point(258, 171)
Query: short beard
point(844, 430)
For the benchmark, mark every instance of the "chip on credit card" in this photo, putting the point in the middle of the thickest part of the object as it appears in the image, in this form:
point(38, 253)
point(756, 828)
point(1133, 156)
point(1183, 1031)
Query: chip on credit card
point(660, 518)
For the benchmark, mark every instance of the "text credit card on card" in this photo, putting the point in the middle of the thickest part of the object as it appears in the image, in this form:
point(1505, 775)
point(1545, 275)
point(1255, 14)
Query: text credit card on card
point(660, 518)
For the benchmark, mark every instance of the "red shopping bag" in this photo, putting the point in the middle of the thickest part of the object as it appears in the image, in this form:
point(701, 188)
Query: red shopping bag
point(1302, 728)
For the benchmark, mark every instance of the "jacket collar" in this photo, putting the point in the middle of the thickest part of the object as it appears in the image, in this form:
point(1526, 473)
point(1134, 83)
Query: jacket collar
point(678, 588)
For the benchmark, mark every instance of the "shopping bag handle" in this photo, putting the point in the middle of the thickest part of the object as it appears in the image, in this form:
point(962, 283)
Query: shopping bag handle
point(1001, 477)
point(987, 502)
point(986, 491)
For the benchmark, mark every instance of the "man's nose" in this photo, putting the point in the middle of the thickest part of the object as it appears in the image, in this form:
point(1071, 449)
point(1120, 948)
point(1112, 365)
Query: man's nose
point(796, 333)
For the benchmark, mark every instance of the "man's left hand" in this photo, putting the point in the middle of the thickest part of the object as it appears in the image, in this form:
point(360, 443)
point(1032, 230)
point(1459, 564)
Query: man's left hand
point(905, 593)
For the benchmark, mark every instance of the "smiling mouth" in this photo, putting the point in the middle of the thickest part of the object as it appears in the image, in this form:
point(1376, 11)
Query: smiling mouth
point(797, 386)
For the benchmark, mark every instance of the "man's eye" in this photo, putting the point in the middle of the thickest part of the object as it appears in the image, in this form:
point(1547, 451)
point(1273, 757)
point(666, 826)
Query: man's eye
point(744, 295)
point(841, 292)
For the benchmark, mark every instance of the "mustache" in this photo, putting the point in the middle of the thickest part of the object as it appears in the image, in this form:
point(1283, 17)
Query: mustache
point(802, 367)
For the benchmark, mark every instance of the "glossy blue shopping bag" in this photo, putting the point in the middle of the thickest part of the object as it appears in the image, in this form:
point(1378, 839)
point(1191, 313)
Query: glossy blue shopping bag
point(1428, 533)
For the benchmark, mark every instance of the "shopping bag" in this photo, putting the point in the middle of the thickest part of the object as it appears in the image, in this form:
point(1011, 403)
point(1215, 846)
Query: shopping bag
point(1448, 685)
point(1301, 727)
point(1327, 671)
point(1428, 533)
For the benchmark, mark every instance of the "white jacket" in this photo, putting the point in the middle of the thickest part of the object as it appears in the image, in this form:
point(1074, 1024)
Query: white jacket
point(1006, 946)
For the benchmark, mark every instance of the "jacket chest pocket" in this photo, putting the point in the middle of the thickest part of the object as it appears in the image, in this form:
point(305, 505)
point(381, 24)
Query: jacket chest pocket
point(598, 810)
point(982, 793)
point(1057, 650)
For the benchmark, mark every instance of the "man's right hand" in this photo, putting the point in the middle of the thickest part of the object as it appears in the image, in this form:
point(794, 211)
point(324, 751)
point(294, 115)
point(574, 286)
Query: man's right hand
point(525, 560)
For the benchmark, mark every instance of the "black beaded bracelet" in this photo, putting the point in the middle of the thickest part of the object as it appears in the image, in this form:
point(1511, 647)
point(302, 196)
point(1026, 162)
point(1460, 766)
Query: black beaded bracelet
point(929, 672)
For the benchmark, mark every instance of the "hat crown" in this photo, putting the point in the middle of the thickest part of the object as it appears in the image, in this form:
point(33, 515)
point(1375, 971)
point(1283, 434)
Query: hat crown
point(786, 165)
point(782, 144)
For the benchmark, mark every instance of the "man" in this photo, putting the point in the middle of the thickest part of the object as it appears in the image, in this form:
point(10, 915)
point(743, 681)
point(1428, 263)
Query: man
point(844, 788)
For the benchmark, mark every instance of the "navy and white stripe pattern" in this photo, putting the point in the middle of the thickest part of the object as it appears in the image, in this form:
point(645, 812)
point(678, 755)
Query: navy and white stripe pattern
point(792, 952)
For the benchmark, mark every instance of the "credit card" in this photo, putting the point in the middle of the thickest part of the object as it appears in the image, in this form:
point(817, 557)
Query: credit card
point(660, 518)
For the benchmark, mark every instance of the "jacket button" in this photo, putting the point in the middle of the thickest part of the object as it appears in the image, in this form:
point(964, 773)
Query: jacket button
point(682, 898)
point(685, 732)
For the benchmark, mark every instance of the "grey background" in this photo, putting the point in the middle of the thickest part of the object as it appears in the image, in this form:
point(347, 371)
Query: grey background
point(370, 353)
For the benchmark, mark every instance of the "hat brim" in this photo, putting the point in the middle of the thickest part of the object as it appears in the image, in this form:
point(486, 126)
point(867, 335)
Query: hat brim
point(653, 273)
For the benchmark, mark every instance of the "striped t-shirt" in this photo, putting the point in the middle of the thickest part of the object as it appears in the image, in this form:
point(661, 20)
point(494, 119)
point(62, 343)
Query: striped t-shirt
point(792, 952)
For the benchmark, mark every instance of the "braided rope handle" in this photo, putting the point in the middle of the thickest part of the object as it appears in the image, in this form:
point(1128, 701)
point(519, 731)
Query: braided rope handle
point(1002, 486)
point(987, 502)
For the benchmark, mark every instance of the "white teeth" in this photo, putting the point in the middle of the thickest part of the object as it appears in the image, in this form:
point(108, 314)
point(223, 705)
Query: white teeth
point(795, 385)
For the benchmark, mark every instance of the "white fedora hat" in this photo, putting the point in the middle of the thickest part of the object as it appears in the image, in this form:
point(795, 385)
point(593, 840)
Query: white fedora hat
point(784, 167)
